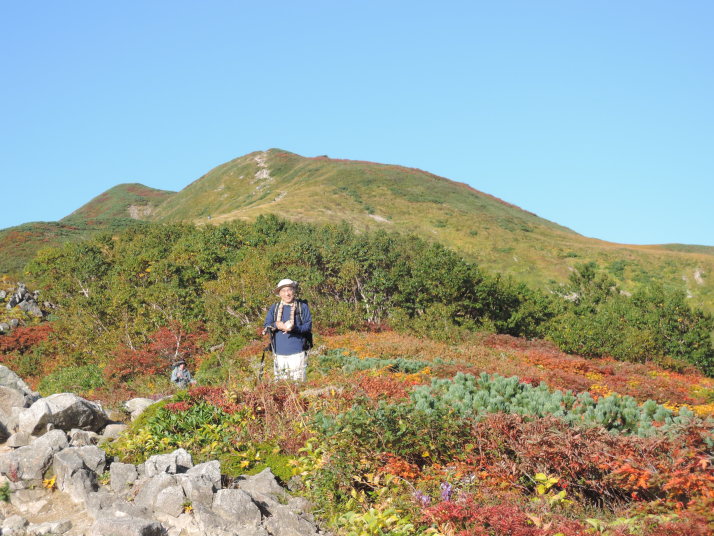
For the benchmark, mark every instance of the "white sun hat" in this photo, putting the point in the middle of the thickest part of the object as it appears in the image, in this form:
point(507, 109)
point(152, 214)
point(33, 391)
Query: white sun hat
point(285, 283)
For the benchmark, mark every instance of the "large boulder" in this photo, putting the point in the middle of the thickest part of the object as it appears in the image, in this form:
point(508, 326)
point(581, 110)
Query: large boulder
point(12, 381)
point(64, 411)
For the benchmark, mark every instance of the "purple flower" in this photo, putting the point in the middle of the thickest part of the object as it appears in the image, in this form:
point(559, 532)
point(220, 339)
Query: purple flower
point(446, 491)
point(423, 499)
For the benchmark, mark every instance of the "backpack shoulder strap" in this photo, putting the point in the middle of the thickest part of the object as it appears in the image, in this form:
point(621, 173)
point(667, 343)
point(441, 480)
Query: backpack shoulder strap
point(298, 310)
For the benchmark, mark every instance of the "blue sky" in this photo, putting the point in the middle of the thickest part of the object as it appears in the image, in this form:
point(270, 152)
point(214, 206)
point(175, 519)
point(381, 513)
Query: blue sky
point(596, 115)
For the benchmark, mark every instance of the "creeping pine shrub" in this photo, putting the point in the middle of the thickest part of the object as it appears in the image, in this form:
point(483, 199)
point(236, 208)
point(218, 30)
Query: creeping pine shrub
point(79, 379)
point(467, 395)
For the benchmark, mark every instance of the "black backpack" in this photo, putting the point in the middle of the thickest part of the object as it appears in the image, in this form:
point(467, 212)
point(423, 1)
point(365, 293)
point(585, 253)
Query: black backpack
point(307, 336)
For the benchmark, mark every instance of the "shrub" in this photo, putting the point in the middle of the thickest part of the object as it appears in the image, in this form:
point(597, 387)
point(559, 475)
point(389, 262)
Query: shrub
point(72, 380)
point(466, 395)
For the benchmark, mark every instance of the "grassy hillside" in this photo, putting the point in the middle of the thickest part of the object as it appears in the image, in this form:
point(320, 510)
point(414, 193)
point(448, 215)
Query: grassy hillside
point(499, 236)
point(117, 208)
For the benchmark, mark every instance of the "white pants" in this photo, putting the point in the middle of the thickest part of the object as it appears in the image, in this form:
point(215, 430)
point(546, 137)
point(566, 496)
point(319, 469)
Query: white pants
point(290, 367)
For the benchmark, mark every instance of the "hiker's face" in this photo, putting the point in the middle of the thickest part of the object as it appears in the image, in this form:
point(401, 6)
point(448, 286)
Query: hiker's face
point(287, 294)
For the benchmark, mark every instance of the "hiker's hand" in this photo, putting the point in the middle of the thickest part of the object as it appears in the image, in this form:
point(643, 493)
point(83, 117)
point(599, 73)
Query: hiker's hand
point(284, 326)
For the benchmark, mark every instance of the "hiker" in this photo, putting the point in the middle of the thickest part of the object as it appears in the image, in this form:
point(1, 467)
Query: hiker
point(180, 375)
point(290, 325)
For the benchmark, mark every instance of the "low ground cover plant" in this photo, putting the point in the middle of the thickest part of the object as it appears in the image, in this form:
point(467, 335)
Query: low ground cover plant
point(383, 461)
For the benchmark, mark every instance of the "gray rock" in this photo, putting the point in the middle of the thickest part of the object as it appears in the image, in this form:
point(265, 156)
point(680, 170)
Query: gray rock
point(122, 475)
point(64, 411)
point(127, 527)
point(104, 504)
point(94, 458)
point(31, 501)
point(136, 406)
point(199, 489)
point(49, 528)
point(300, 505)
point(210, 470)
point(30, 463)
point(209, 523)
point(7, 425)
point(19, 439)
point(82, 438)
point(284, 522)
point(178, 461)
point(14, 525)
point(112, 431)
point(14, 322)
point(236, 505)
point(4, 326)
point(264, 483)
point(12, 381)
point(56, 440)
point(31, 308)
point(11, 398)
point(170, 501)
point(3, 294)
point(25, 464)
point(149, 488)
point(73, 476)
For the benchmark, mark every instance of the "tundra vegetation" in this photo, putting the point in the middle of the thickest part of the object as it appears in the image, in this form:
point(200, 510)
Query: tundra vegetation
point(440, 399)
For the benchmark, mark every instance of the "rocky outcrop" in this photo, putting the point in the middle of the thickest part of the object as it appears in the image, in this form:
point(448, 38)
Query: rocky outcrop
point(26, 301)
point(54, 445)
point(166, 495)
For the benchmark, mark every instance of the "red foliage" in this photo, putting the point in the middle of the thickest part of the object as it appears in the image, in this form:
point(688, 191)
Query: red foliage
point(592, 464)
point(390, 386)
point(178, 407)
point(472, 519)
point(394, 465)
point(24, 338)
point(167, 344)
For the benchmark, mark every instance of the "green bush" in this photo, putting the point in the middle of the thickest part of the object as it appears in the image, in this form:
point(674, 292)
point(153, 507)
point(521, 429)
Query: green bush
point(76, 379)
point(654, 324)
point(466, 395)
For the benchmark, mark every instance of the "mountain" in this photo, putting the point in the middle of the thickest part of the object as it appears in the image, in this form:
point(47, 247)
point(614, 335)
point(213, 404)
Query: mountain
point(499, 236)
point(134, 201)
point(117, 208)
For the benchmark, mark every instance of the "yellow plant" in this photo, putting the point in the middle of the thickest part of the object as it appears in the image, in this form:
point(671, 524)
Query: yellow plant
point(50, 483)
point(544, 483)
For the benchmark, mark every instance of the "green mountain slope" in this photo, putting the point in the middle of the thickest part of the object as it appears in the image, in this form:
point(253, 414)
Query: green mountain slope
point(134, 201)
point(499, 236)
point(120, 207)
